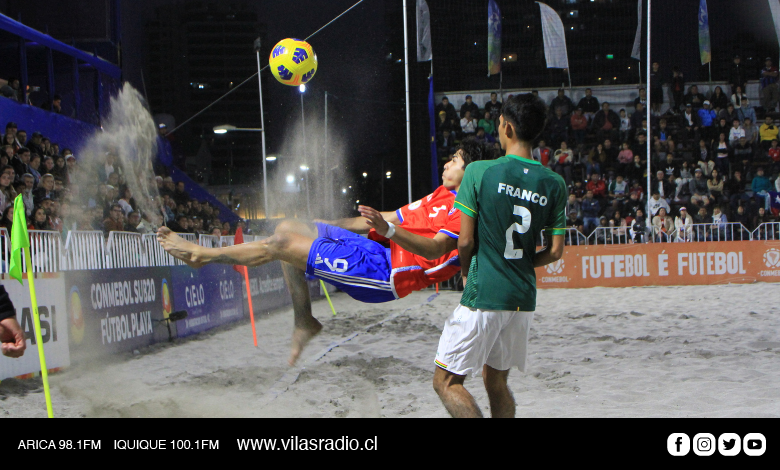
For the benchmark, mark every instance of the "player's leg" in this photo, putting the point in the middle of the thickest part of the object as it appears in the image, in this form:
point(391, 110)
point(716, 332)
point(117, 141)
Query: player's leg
point(502, 403)
point(456, 399)
point(285, 245)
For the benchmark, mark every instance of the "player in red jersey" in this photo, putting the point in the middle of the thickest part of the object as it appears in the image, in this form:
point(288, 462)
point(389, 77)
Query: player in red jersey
point(406, 250)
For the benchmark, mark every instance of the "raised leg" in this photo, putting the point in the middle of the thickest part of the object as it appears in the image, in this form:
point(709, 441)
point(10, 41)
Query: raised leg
point(456, 399)
point(502, 403)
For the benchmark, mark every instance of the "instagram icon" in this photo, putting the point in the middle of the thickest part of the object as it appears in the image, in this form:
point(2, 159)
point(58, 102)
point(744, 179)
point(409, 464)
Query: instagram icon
point(704, 444)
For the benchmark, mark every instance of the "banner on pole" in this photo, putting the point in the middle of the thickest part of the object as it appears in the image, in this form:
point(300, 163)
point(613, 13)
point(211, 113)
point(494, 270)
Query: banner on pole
point(636, 52)
point(554, 38)
point(494, 38)
point(704, 33)
point(424, 50)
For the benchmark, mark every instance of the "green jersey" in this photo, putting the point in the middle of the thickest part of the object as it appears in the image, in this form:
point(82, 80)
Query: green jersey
point(513, 200)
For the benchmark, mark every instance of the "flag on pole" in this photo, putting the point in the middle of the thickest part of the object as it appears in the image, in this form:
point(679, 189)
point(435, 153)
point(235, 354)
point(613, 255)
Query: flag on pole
point(554, 38)
point(424, 50)
point(20, 240)
point(244, 271)
point(774, 5)
point(636, 52)
point(704, 33)
point(494, 38)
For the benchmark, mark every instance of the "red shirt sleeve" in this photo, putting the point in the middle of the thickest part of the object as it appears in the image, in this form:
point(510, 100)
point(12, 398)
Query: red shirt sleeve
point(452, 225)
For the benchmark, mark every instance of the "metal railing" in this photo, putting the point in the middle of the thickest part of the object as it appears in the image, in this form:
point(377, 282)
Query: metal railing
point(45, 252)
point(574, 237)
point(209, 241)
point(5, 250)
point(729, 231)
point(85, 250)
point(767, 231)
point(125, 250)
point(609, 236)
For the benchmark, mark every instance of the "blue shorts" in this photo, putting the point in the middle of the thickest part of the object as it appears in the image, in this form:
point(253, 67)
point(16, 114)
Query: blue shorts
point(358, 266)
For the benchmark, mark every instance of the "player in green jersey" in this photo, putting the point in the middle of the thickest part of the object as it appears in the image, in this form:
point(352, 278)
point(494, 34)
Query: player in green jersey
point(505, 204)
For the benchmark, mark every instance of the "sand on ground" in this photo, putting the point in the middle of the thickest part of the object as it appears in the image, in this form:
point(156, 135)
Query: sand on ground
point(704, 351)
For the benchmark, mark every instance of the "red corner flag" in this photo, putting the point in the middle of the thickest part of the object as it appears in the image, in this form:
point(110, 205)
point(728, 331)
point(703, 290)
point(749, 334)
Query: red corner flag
point(244, 271)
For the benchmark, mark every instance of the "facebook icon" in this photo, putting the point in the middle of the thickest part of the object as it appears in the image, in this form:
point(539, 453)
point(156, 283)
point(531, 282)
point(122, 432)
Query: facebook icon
point(678, 444)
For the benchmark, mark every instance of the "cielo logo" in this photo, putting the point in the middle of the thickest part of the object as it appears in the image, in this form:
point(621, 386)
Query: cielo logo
point(772, 258)
point(556, 267)
point(76, 316)
point(678, 444)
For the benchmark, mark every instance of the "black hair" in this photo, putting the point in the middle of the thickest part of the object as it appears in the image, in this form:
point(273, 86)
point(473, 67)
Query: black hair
point(527, 114)
point(474, 150)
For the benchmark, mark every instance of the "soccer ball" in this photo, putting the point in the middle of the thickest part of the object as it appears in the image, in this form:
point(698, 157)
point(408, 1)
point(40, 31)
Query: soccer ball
point(293, 62)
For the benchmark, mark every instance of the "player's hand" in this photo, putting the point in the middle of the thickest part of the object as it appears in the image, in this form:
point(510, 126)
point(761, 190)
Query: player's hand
point(374, 219)
point(12, 338)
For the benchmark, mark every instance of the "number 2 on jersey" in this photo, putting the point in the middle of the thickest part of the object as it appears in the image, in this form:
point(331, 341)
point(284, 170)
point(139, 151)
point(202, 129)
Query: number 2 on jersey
point(510, 252)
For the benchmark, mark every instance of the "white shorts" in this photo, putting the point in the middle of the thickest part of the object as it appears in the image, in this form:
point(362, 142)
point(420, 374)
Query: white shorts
point(473, 338)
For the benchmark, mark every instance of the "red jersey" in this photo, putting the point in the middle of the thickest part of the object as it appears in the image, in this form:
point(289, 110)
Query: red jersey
point(430, 215)
point(774, 154)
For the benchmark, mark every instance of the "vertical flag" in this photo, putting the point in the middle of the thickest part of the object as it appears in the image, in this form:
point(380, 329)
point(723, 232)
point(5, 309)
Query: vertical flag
point(432, 122)
point(20, 241)
point(424, 51)
point(494, 38)
point(554, 39)
point(774, 6)
point(704, 33)
point(636, 52)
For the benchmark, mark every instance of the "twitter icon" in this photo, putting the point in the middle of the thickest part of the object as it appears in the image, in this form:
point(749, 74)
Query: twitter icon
point(729, 444)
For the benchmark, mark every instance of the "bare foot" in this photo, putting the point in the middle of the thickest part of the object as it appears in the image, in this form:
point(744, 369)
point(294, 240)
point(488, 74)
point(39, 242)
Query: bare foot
point(301, 337)
point(178, 247)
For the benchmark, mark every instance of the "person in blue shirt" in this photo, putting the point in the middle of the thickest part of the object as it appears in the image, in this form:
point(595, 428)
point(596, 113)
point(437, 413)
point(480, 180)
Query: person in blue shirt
point(707, 117)
point(761, 187)
point(590, 212)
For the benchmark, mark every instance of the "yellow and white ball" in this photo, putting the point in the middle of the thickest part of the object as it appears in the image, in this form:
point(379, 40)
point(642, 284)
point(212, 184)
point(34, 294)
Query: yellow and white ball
point(293, 62)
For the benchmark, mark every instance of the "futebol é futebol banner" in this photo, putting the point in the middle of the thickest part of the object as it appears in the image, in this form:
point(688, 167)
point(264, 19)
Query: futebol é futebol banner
point(663, 264)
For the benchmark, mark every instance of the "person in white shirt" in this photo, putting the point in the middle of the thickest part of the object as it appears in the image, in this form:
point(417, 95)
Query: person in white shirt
point(468, 124)
point(684, 226)
point(735, 133)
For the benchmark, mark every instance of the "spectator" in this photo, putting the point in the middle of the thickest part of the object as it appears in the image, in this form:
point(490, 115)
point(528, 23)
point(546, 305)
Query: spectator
point(606, 123)
point(637, 171)
point(7, 193)
point(656, 89)
point(774, 158)
point(484, 138)
point(663, 226)
point(133, 222)
point(737, 75)
point(625, 126)
point(444, 124)
point(115, 221)
point(493, 107)
point(662, 132)
point(45, 190)
point(742, 105)
point(564, 159)
point(20, 161)
point(625, 159)
point(662, 186)
point(27, 194)
point(578, 190)
point(445, 144)
point(694, 98)
point(48, 165)
point(590, 212)
point(468, 124)
point(637, 117)
point(11, 89)
point(7, 221)
point(35, 144)
point(618, 189)
point(579, 125)
point(683, 180)
point(735, 191)
point(10, 140)
point(656, 202)
point(619, 228)
point(706, 163)
point(562, 102)
point(730, 114)
point(589, 104)
point(598, 187)
point(718, 100)
point(638, 227)
point(761, 217)
point(641, 99)
point(34, 168)
point(689, 124)
point(707, 119)
point(180, 195)
point(683, 224)
point(40, 220)
point(715, 185)
point(735, 132)
point(226, 230)
point(768, 132)
point(678, 89)
point(126, 201)
point(701, 217)
point(469, 106)
point(558, 126)
point(761, 187)
point(751, 131)
point(718, 228)
point(488, 124)
point(60, 170)
point(769, 86)
point(722, 151)
point(700, 192)
point(448, 108)
point(573, 206)
point(740, 216)
point(21, 138)
point(575, 222)
point(596, 158)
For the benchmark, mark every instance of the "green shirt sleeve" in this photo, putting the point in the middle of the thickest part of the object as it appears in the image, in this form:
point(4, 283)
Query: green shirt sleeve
point(556, 225)
point(466, 200)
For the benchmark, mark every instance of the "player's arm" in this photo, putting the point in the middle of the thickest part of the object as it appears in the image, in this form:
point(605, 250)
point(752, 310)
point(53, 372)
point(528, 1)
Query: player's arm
point(359, 224)
point(466, 243)
point(552, 253)
point(428, 248)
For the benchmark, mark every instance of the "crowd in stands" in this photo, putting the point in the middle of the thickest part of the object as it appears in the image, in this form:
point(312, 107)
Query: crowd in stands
point(62, 194)
point(713, 159)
